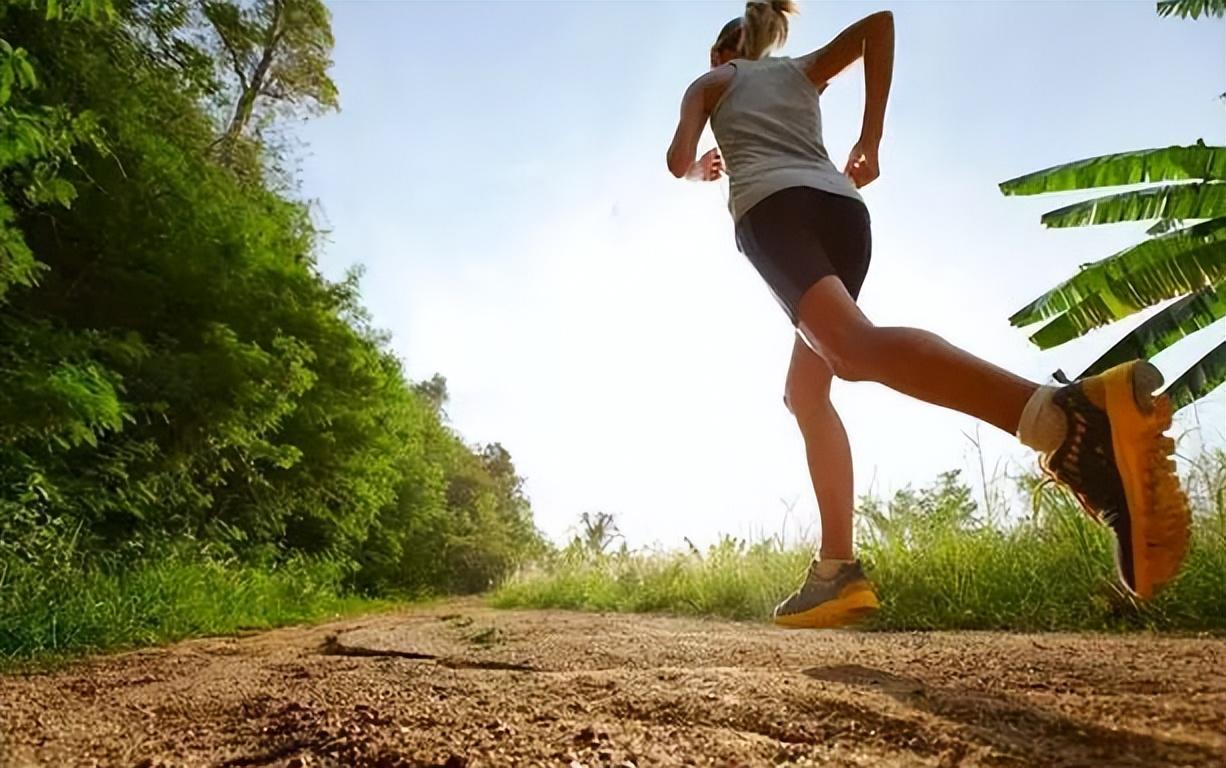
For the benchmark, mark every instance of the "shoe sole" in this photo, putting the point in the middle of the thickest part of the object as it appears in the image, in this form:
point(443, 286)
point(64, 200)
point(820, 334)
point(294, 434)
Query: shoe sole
point(855, 602)
point(1157, 507)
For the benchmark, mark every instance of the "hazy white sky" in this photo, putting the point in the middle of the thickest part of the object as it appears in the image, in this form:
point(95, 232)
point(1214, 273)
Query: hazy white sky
point(498, 167)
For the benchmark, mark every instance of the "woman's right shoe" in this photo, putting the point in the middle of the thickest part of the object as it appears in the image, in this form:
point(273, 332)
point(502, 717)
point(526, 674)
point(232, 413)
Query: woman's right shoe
point(826, 603)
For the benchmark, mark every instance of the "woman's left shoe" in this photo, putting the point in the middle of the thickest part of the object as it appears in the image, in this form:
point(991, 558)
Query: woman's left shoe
point(820, 603)
point(1116, 460)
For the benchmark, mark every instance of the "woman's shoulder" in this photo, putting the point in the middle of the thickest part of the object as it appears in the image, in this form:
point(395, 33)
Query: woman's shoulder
point(714, 84)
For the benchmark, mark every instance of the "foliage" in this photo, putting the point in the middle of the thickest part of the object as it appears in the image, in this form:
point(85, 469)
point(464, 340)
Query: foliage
point(1192, 8)
point(173, 368)
point(1181, 261)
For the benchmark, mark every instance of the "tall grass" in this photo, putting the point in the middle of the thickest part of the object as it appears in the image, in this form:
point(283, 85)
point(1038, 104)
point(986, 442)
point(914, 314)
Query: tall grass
point(938, 561)
point(50, 611)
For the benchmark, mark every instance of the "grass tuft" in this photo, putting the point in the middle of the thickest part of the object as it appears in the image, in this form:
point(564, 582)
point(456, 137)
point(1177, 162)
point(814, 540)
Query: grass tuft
point(48, 614)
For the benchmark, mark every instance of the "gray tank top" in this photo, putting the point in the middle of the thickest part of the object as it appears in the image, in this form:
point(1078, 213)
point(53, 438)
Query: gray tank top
point(768, 125)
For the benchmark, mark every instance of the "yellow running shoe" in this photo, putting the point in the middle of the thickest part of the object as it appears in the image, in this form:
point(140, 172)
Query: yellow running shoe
point(828, 603)
point(1114, 458)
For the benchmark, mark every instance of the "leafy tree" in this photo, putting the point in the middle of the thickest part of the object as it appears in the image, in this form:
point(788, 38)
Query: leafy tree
point(434, 391)
point(279, 51)
point(598, 531)
point(173, 368)
point(1185, 258)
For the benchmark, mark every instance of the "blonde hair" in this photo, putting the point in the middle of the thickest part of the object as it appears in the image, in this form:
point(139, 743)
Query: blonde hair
point(765, 27)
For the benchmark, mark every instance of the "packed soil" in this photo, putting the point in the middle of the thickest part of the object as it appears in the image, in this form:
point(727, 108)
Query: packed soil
point(458, 684)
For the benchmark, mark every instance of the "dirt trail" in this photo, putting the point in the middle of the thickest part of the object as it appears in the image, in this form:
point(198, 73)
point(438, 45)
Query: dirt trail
point(462, 685)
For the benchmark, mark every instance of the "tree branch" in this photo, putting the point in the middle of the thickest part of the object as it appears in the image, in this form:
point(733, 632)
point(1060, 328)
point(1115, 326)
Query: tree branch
point(235, 62)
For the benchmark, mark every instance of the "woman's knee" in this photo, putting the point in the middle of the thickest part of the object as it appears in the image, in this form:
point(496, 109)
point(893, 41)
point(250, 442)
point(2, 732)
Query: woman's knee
point(850, 352)
point(807, 388)
point(806, 405)
point(850, 365)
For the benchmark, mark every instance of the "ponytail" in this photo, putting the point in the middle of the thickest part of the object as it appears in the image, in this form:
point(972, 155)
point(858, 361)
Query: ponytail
point(765, 27)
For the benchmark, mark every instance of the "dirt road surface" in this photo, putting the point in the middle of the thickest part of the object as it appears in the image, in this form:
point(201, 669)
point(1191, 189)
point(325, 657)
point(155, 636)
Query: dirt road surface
point(458, 684)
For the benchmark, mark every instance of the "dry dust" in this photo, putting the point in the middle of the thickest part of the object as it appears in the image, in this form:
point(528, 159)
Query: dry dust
point(462, 685)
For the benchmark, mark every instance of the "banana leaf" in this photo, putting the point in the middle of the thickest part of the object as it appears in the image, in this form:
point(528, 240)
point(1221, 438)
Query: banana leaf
point(1191, 8)
point(1173, 201)
point(1183, 318)
point(1122, 299)
point(1137, 167)
point(1207, 375)
point(1184, 257)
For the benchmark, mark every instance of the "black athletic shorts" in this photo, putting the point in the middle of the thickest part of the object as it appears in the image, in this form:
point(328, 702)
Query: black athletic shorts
point(799, 235)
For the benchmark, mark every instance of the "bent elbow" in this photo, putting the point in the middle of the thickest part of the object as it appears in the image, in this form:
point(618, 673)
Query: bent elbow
point(677, 168)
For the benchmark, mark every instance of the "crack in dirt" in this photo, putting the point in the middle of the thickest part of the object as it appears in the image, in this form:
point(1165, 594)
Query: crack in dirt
point(332, 646)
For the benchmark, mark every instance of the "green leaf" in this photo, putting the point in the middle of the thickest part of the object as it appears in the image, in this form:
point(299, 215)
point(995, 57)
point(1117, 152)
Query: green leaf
point(1191, 8)
point(25, 72)
point(1175, 263)
point(1206, 375)
point(1183, 318)
point(1147, 165)
point(1174, 201)
point(6, 83)
point(61, 191)
point(1108, 306)
point(54, 11)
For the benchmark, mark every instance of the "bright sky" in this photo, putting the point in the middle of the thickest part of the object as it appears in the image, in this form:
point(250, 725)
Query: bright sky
point(498, 167)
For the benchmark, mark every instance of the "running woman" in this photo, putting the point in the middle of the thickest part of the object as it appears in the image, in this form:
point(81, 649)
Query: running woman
point(804, 227)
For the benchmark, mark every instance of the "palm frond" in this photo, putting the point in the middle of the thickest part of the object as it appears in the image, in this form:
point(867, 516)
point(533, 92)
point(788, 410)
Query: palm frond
point(1138, 167)
point(1178, 262)
point(1193, 9)
point(1175, 201)
point(1206, 375)
point(1092, 313)
point(1183, 318)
